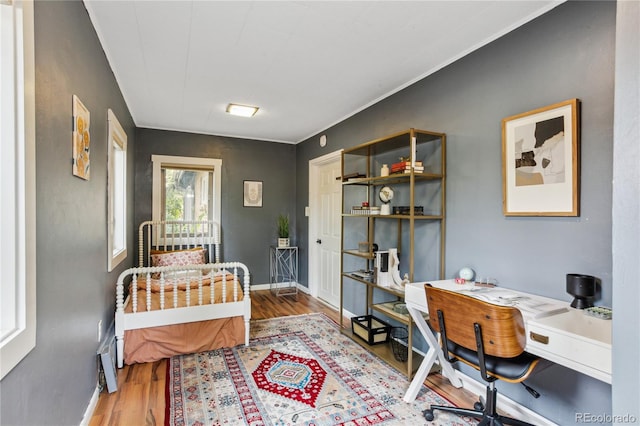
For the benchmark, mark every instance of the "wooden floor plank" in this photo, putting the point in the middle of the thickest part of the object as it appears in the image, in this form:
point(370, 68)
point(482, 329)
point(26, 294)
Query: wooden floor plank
point(141, 387)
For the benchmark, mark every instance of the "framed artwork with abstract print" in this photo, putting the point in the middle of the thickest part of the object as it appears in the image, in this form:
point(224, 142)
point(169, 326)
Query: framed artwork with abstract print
point(541, 161)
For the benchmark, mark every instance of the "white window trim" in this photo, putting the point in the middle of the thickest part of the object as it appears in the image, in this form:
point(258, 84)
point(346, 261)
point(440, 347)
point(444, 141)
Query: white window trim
point(18, 79)
point(117, 141)
point(160, 161)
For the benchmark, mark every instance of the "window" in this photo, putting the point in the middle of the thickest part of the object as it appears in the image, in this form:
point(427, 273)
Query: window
point(117, 189)
point(17, 184)
point(186, 188)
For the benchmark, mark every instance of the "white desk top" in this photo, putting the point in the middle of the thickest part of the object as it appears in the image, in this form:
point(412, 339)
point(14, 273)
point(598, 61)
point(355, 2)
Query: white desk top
point(531, 306)
point(555, 331)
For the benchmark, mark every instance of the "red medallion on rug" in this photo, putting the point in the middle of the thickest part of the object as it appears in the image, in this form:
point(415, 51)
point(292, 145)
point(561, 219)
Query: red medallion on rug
point(290, 376)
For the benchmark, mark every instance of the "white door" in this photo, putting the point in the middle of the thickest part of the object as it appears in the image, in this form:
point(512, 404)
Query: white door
point(325, 229)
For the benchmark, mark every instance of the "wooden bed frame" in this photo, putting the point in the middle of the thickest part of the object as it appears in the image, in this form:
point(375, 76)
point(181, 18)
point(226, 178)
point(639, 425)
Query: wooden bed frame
point(173, 236)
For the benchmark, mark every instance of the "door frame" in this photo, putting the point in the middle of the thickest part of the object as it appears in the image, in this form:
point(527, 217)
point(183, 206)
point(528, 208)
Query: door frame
point(313, 259)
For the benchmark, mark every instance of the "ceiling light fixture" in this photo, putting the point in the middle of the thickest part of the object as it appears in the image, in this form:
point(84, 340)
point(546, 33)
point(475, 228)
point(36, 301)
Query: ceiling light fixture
point(242, 110)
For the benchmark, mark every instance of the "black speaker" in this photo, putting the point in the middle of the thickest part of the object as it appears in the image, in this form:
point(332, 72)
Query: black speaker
point(582, 288)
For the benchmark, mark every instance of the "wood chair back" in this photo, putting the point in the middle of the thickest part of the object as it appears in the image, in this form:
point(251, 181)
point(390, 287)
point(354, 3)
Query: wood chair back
point(502, 326)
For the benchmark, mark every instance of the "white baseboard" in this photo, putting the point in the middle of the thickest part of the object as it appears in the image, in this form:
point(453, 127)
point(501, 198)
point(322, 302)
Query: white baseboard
point(255, 287)
point(93, 403)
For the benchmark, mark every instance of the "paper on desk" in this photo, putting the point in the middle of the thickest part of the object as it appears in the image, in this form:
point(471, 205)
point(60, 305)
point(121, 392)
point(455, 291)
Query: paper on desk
point(540, 309)
point(529, 305)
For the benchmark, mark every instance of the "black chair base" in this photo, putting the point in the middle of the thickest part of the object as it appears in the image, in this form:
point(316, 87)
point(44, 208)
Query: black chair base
point(488, 415)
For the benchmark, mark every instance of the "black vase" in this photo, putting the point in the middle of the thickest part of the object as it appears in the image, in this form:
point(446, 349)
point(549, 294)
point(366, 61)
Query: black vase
point(582, 288)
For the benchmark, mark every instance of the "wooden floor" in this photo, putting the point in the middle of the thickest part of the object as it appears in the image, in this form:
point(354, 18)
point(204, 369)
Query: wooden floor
point(140, 397)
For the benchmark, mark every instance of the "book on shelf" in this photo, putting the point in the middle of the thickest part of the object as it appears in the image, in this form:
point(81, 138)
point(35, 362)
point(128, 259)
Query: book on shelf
point(404, 164)
point(355, 175)
point(364, 274)
point(408, 170)
point(361, 210)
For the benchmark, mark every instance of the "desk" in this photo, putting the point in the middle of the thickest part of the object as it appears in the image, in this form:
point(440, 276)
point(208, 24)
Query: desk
point(555, 331)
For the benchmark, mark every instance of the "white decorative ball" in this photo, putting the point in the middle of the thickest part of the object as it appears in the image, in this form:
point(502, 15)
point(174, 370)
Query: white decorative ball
point(466, 274)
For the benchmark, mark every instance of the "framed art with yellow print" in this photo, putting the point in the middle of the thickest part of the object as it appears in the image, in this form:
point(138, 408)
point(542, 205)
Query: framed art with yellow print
point(81, 139)
point(541, 161)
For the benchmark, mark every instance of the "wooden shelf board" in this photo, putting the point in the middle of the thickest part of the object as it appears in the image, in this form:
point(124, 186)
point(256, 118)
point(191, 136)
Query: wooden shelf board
point(392, 179)
point(366, 255)
point(396, 216)
point(387, 309)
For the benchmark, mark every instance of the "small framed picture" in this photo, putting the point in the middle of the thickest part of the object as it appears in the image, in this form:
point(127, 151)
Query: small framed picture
point(81, 139)
point(252, 193)
point(541, 161)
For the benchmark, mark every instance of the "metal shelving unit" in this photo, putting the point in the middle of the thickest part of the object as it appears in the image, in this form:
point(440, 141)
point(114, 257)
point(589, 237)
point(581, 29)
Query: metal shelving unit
point(361, 169)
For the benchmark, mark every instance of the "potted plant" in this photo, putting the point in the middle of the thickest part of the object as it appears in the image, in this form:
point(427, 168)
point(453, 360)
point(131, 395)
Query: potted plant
point(283, 231)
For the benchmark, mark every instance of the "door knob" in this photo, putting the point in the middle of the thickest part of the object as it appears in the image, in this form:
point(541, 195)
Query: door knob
point(318, 241)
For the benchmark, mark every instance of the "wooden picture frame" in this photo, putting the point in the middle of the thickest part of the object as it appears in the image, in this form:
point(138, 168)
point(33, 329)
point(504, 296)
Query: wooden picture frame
point(541, 161)
point(252, 193)
point(81, 140)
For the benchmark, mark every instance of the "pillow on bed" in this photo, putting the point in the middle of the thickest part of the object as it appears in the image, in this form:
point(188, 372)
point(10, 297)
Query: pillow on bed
point(177, 258)
point(159, 251)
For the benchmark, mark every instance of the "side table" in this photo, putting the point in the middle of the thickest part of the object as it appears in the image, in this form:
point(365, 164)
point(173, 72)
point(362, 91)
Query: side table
point(283, 266)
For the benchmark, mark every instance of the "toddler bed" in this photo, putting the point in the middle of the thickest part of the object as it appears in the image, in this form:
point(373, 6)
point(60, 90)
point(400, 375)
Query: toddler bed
point(181, 298)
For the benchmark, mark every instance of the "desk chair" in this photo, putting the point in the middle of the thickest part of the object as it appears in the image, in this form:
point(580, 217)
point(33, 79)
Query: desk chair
point(488, 337)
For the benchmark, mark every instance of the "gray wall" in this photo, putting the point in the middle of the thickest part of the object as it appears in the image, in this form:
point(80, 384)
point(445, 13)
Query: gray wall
point(626, 214)
point(566, 53)
point(53, 384)
point(563, 54)
point(247, 232)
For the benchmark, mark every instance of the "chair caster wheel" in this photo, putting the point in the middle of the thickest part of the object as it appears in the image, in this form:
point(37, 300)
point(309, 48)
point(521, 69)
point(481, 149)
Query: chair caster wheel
point(428, 415)
point(478, 406)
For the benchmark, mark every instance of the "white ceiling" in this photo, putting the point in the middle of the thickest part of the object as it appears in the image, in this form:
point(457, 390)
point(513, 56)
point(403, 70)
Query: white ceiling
point(306, 64)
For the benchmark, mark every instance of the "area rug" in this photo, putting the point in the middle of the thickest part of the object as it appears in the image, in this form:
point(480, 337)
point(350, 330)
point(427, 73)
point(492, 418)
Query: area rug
point(298, 370)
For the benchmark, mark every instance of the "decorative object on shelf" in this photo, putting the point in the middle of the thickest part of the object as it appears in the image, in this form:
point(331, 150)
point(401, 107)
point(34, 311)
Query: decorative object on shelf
point(252, 193)
point(387, 269)
point(394, 265)
point(283, 231)
point(400, 308)
point(540, 161)
point(383, 276)
point(384, 171)
point(405, 210)
point(81, 139)
point(467, 274)
point(582, 288)
point(386, 195)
